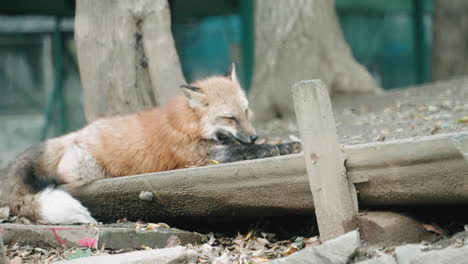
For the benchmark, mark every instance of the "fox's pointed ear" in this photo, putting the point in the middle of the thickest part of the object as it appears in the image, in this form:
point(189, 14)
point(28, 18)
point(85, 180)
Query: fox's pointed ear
point(231, 72)
point(195, 96)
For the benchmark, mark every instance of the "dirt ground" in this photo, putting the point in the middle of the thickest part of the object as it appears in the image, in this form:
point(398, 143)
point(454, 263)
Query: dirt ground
point(401, 113)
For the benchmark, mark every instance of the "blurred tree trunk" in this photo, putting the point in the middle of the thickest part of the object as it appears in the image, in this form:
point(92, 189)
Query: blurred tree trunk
point(297, 40)
point(450, 39)
point(127, 57)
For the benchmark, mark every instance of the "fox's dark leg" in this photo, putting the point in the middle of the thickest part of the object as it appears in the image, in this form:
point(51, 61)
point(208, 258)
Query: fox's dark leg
point(231, 153)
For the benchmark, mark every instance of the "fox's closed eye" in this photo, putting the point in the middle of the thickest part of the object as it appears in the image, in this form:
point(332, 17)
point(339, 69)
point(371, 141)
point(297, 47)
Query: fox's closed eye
point(231, 120)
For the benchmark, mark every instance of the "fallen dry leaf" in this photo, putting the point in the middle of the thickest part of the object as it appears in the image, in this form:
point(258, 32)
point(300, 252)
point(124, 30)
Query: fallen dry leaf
point(152, 226)
point(239, 240)
point(463, 120)
point(173, 241)
point(16, 260)
point(146, 247)
point(122, 221)
point(223, 259)
point(290, 250)
point(211, 240)
point(313, 241)
point(249, 235)
point(434, 229)
point(259, 259)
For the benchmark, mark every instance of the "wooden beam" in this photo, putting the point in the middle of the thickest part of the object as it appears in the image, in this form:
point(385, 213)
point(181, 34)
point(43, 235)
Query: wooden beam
point(424, 170)
point(263, 187)
point(333, 199)
point(414, 171)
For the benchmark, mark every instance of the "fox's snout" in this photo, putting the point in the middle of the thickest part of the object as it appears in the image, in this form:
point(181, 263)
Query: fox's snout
point(244, 138)
point(225, 137)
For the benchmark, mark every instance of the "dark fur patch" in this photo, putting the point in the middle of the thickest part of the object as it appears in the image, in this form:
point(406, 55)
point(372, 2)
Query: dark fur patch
point(29, 169)
point(36, 182)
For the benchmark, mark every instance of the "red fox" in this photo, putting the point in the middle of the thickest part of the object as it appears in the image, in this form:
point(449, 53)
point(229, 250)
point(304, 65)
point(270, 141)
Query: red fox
point(210, 120)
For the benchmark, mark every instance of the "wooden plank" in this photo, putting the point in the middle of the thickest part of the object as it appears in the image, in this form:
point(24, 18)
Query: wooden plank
point(333, 199)
point(415, 171)
point(424, 170)
point(263, 187)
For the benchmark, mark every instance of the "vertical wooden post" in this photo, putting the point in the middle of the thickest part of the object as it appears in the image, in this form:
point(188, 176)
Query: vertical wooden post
point(335, 204)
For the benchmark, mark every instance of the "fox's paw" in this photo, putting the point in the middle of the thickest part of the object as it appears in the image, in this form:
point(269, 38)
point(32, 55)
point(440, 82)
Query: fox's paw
point(266, 150)
point(289, 148)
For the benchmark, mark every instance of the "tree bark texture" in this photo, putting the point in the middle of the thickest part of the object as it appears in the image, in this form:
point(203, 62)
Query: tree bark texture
point(300, 40)
point(450, 39)
point(126, 54)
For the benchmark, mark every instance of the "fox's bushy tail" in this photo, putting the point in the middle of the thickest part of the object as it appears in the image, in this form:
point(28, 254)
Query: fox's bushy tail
point(29, 189)
point(58, 207)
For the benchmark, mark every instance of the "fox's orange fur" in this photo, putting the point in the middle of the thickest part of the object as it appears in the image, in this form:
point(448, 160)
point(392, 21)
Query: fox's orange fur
point(155, 140)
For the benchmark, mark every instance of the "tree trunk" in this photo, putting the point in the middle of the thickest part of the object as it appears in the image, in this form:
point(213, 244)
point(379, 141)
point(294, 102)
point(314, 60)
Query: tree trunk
point(450, 39)
point(299, 40)
point(127, 57)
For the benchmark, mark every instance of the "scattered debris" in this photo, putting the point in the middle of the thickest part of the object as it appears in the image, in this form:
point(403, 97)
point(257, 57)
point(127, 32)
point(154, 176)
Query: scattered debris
point(146, 196)
point(463, 120)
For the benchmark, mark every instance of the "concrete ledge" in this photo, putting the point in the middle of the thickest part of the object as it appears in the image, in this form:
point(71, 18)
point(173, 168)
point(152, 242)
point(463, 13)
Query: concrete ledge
point(155, 256)
point(110, 237)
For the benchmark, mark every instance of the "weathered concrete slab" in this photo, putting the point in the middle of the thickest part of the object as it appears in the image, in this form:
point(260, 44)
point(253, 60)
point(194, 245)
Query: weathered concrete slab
point(94, 236)
point(50, 235)
point(405, 253)
point(455, 239)
point(444, 256)
point(114, 237)
point(174, 255)
point(385, 259)
point(335, 251)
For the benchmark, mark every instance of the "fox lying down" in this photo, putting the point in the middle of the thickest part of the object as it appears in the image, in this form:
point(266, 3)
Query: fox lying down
point(211, 120)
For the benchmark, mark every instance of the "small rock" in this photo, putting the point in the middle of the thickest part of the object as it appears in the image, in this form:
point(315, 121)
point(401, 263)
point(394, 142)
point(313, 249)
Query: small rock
point(15, 260)
point(4, 212)
point(444, 256)
point(173, 241)
point(223, 259)
point(432, 108)
point(380, 138)
point(385, 259)
point(459, 239)
point(405, 253)
point(146, 196)
point(391, 229)
point(160, 256)
point(337, 250)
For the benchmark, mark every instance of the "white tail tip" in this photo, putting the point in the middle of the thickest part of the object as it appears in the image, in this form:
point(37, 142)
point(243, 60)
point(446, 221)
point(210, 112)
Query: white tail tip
point(59, 207)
